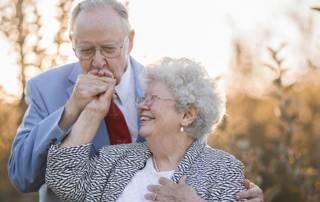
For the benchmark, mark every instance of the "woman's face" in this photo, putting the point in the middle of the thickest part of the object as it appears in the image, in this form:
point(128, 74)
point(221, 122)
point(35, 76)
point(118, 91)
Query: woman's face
point(158, 114)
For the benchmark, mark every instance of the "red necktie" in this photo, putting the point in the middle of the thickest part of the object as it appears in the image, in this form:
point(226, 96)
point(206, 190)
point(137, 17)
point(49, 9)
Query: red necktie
point(117, 126)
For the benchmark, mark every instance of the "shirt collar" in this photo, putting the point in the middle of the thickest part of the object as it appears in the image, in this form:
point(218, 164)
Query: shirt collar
point(122, 89)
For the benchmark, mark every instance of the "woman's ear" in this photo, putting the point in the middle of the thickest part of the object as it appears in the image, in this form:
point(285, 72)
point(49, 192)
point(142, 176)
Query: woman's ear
point(189, 116)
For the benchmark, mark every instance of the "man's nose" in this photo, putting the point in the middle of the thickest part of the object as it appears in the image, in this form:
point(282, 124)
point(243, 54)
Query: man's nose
point(98, 60)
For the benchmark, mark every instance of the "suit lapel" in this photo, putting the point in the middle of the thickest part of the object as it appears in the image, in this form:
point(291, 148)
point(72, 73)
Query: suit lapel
point(76, 71)
point(192, 154)
point(137, 71)
point(124, 171)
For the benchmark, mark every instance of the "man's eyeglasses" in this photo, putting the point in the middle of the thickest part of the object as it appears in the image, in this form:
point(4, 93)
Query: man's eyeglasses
point(149, 99)
point(107, 51)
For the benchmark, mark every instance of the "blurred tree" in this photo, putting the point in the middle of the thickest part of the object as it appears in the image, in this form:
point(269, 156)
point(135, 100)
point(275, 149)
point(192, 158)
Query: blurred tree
point(275, 131)
point(277, 135)
point(22, 25)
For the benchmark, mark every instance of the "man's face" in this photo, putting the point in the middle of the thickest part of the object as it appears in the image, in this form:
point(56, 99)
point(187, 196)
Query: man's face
point(101, 31)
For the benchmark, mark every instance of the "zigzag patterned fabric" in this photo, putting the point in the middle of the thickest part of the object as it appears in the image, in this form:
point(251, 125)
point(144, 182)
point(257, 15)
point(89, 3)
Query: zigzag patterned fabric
point(75, 176)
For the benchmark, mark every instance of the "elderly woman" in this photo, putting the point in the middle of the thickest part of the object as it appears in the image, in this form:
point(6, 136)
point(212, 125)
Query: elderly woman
point(180, 108)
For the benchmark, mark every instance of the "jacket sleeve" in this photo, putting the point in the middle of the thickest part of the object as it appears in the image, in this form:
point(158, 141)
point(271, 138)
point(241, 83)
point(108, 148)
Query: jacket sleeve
point(38, 130)
point(69, 171)
point(231, 180)
point(74, 175)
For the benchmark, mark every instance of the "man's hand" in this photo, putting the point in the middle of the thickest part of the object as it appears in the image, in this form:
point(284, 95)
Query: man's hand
point(87, 87)
point(86, 126)
point(101, 103)
point(253, 194)
point(169, 191)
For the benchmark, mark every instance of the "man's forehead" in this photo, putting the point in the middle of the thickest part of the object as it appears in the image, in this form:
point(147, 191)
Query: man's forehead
point(104, 32)
point(103, 16)
point(98, 15)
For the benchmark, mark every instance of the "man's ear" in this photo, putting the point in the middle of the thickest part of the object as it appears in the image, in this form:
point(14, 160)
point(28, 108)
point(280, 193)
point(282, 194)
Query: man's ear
point(71, 37)
point(131, 40)
point(189, 116)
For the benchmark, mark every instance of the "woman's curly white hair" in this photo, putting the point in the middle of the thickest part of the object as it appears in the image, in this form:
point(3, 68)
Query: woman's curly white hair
point(191, 85)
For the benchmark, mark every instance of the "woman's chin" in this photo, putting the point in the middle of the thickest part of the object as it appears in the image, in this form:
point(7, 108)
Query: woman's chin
point(144, 132)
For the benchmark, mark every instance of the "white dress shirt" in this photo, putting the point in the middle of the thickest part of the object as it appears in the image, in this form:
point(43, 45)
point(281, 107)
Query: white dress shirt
point(137, 187)
point(126, 101)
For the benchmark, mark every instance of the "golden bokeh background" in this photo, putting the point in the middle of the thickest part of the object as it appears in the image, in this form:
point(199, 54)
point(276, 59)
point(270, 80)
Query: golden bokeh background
point(269, 68)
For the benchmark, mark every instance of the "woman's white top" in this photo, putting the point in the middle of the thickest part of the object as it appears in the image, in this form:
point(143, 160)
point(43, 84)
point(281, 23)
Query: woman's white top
point(137, 187)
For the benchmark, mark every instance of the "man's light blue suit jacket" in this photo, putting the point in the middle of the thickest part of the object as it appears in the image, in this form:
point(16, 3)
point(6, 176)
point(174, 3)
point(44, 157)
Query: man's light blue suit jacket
point(46, 96)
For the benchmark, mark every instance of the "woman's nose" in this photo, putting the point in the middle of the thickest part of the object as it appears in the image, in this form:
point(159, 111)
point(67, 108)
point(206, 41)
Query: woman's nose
point(143, 105)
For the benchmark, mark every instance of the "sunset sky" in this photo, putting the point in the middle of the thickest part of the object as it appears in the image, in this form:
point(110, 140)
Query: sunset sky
point(199, 29)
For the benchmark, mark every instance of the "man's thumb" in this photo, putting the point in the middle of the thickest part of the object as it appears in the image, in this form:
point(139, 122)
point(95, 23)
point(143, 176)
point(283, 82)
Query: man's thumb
point(109, 93)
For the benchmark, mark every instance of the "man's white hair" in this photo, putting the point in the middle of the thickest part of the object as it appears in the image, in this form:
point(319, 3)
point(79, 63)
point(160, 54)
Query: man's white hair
point(88, 5)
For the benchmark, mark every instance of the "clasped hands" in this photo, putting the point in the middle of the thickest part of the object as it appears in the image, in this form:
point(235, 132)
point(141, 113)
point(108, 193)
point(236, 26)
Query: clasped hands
point(93, 92)
point(87, 106)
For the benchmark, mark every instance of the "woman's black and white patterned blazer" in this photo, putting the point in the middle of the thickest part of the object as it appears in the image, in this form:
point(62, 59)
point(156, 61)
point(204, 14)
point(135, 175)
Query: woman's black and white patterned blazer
point(75, 176)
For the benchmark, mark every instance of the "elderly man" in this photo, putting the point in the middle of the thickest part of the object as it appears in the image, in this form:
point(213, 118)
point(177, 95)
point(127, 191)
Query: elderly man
point(102, 40)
